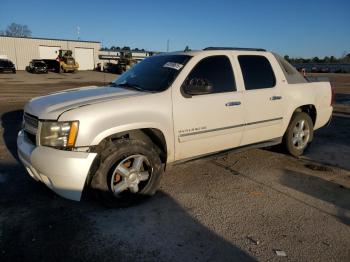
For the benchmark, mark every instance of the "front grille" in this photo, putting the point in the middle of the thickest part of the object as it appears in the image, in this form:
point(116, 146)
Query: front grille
point(30, 127)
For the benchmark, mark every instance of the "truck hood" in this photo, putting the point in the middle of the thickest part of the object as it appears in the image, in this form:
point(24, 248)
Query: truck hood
point(53, 105)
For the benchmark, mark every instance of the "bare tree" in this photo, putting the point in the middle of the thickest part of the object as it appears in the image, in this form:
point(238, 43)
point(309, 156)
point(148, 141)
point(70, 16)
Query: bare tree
point(18, 30)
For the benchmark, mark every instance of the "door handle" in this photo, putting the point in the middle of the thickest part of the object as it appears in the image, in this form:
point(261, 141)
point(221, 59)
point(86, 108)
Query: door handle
point(234, 103)
point(275, 97)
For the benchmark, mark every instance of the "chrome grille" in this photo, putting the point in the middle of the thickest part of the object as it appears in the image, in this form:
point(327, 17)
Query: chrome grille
point(30, 124)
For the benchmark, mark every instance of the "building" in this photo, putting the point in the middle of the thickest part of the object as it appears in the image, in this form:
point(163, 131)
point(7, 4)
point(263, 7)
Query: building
point(21, 50)
point(113, 55)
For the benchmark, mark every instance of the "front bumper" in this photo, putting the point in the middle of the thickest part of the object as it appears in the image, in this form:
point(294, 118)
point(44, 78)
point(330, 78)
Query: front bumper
point(64, 172)
point(70, 67)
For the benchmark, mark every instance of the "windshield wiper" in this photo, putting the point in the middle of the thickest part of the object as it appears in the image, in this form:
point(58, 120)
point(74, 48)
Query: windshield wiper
point(128, 86)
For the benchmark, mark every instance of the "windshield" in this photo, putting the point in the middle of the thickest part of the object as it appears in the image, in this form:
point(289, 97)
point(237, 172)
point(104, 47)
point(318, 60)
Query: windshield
point(6, 63)
point(154, 74)
point(41, 64)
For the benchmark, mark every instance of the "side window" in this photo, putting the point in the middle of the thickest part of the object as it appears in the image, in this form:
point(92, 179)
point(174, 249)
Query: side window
point(211, 75)
point(257, 72)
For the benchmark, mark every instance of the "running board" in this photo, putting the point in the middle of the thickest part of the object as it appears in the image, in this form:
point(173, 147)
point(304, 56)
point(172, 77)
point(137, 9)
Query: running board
point(268, 143)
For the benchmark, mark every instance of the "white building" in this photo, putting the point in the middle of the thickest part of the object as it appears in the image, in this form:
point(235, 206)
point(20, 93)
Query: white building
point(113, 55)
point(21, 50)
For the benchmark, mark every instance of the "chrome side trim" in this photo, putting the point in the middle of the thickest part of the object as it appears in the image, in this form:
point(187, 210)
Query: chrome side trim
point(210, 130)
point(229, 127)
point(264, 121)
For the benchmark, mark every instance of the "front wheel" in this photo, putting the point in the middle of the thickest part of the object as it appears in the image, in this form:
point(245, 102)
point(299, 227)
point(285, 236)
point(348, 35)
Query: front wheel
point(299, 134)
point(129, 171)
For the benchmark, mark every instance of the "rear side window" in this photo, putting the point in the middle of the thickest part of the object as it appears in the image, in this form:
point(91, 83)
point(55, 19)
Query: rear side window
point(291, 74)
point(257, 72)
point(215, 70)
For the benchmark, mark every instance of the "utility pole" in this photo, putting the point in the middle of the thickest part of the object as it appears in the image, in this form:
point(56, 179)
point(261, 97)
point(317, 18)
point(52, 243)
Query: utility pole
point(78, 32)
point(167, 45)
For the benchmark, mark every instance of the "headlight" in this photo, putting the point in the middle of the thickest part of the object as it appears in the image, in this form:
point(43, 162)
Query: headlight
point(58, 134)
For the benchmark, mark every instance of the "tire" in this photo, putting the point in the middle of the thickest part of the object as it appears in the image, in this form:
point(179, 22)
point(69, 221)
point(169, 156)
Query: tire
point(298, 136)
point(121, 155)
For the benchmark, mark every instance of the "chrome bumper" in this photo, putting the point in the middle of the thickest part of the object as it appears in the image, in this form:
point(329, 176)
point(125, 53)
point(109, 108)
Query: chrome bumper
point(64, 172)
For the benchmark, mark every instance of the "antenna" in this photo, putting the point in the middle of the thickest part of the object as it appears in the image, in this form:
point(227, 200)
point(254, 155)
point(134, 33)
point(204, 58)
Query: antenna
point(167, 45)
point(78, 32)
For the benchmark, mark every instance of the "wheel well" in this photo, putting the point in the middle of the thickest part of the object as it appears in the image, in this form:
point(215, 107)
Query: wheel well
point(151, 135)
point(310, 110)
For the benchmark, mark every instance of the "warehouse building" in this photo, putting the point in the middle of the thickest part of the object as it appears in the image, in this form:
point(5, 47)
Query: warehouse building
point(21, 50)
point(115, 54)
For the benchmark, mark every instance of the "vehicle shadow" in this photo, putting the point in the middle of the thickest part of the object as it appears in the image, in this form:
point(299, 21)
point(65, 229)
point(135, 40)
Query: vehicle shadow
point(321, 189)
point(38, 224)
point(11, 124)
point(331, 143)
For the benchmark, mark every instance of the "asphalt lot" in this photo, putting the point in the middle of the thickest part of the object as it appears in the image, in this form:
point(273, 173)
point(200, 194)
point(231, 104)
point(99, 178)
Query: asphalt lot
point(236, 207)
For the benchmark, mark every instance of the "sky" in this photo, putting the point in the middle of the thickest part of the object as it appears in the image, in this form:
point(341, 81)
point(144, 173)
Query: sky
point(295, 28)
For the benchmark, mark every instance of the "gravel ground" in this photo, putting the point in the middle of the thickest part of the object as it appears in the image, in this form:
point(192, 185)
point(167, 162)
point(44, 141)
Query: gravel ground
point(235, 207)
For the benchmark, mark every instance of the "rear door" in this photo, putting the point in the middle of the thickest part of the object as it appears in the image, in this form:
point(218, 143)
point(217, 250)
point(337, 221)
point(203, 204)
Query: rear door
point(211, 122)
point(263, 102)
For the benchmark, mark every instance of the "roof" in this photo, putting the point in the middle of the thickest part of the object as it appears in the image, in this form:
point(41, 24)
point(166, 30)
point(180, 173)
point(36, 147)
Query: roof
point(54, 39)
point(233, 49)
point(215, 51)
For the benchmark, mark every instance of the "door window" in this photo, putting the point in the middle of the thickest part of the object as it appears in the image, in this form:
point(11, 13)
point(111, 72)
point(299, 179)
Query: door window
point(257, 72)
point(213, 74)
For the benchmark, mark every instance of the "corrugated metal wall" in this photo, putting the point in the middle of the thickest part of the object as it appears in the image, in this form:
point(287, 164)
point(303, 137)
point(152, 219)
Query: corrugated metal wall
point(22, 50)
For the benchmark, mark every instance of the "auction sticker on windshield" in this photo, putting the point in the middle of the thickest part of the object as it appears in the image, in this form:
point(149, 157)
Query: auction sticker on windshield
point(173, 65)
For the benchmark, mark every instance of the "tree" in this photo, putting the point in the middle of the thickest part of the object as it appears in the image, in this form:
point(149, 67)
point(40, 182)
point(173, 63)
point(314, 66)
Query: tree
point(126, 48)
point(18, 30)
point(315, 59)
point(326, 59)
point(187, 49)
point(286, 57)
point(346, 59)
point(332, 59)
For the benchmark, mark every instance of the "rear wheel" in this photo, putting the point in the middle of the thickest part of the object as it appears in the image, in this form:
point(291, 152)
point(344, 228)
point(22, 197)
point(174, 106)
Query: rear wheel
point(129, 171)
point(299, 134)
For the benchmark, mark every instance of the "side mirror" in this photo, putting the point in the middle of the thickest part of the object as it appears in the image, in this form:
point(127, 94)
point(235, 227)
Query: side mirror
point(197, 86)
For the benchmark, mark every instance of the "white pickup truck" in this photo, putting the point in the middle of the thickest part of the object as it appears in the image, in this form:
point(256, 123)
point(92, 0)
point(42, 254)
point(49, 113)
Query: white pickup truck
point(118, 139)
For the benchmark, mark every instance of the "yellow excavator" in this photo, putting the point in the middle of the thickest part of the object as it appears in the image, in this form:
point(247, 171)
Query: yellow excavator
point(66, 61)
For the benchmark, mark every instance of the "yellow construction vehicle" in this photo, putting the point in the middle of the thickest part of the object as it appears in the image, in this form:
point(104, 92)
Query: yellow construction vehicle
point(66, 62)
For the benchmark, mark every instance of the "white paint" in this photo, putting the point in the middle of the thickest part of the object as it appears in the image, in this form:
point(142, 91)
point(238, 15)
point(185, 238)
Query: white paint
point(48, 52)
point(85, 58)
